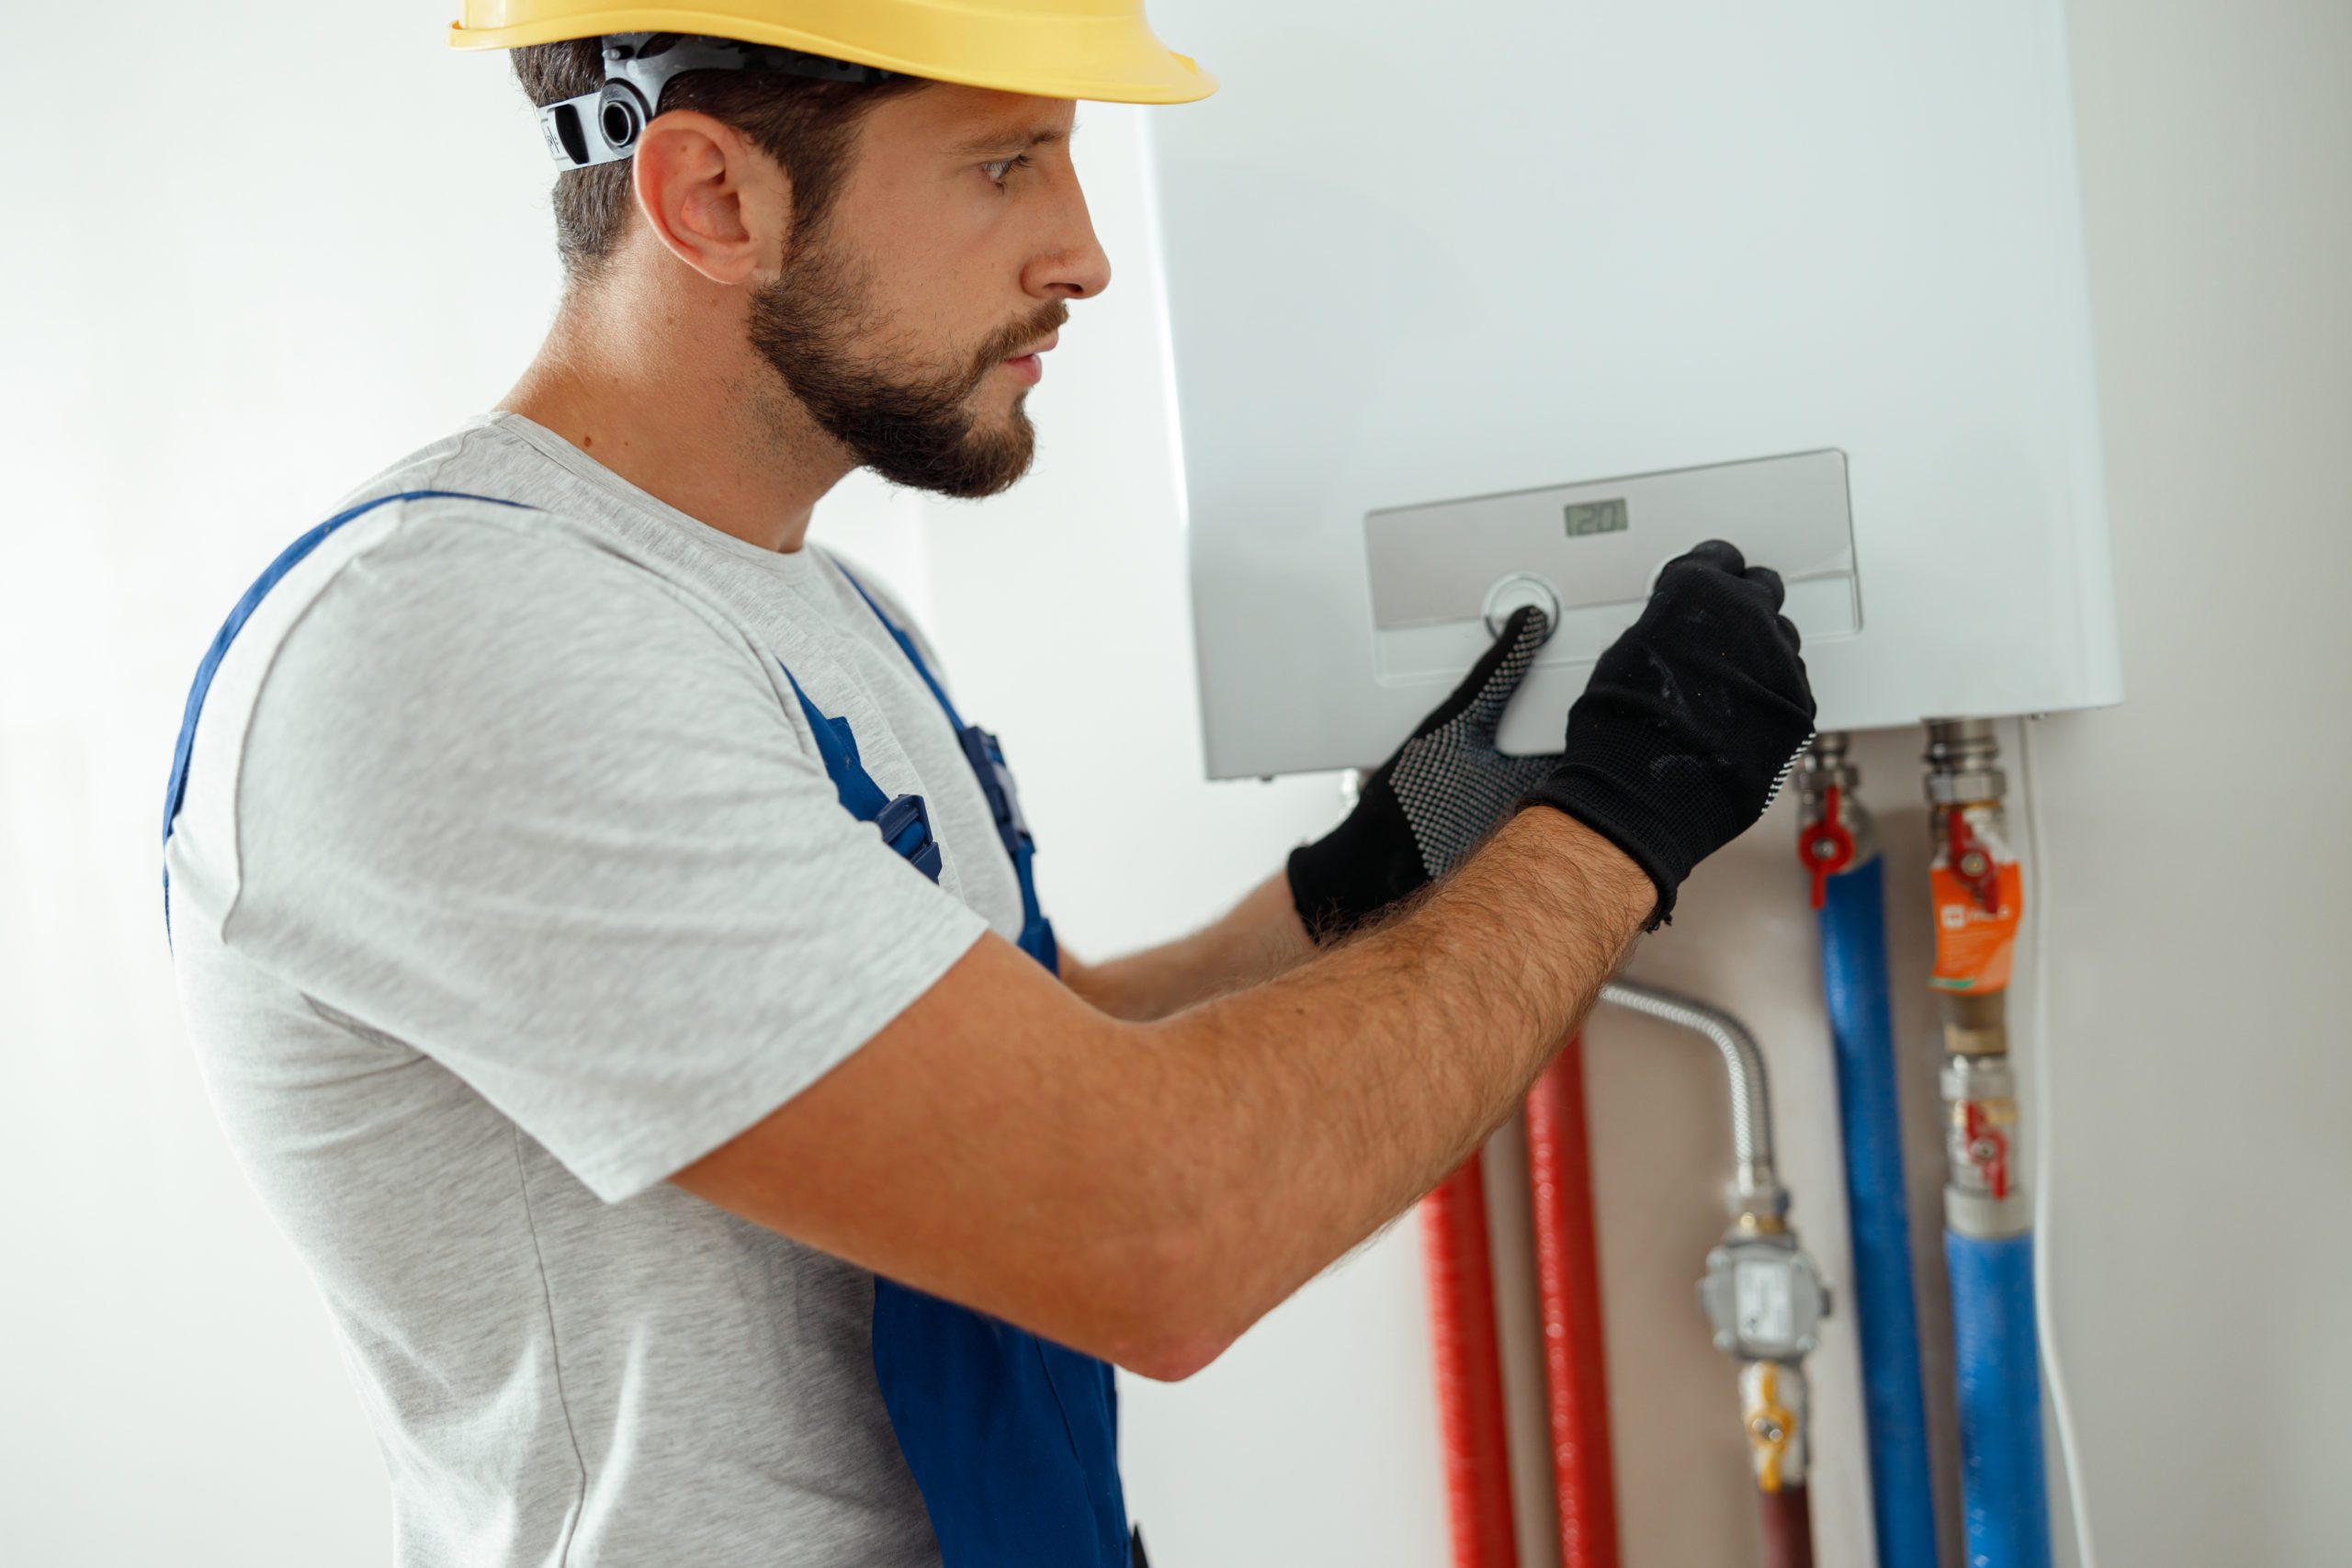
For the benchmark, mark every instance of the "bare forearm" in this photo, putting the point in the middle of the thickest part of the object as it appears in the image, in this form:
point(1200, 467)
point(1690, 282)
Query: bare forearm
point(1145, 1191)
point(1341, 1092)
point(1258, 939)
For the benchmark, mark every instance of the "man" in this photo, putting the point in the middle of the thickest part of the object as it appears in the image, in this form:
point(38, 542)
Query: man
point(617, 965)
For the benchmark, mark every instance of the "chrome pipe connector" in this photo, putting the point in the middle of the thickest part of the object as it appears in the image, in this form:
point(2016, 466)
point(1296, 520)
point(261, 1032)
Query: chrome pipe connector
point(1754, 1182)
point(1962, 759)
point(1827, 764)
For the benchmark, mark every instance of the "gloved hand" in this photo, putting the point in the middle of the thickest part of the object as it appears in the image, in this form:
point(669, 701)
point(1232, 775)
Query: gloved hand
point(1692, 721)
point(1430, 804)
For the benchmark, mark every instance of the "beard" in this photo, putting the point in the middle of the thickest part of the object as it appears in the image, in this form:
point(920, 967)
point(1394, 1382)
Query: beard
point(913, 426)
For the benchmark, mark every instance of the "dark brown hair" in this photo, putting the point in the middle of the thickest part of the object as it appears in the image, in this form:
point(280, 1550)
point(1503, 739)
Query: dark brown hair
point(807, 126)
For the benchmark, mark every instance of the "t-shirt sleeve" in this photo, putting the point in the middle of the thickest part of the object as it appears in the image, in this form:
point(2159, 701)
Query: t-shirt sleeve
point(523, 805)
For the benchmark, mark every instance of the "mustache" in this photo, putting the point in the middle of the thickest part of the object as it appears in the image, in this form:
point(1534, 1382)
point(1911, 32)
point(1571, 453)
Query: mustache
point(1019, 336)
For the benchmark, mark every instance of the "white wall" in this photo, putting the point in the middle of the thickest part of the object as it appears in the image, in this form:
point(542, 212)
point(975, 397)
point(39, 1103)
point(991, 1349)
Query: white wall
point(214, 326)
point(2199, 853)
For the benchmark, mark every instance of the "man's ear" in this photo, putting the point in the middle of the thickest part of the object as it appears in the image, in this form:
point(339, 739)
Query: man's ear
point(714, 201)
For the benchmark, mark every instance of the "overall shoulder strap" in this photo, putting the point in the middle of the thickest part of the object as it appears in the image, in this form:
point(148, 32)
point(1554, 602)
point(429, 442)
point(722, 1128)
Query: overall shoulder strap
point(907, 645)
point(176, 789)
point(985, 756)
point(903, 820)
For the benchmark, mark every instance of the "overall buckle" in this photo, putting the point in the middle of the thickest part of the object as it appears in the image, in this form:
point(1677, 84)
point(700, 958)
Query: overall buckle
point(986, 754)
point(905, 825)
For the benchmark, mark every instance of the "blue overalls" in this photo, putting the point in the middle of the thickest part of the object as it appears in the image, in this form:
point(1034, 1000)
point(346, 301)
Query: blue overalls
point(1012, 1439)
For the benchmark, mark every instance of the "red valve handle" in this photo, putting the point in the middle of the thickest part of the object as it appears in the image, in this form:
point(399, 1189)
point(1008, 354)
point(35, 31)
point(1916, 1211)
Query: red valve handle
point(1988, 1149)
point(1825, 847)
point(1971, 862)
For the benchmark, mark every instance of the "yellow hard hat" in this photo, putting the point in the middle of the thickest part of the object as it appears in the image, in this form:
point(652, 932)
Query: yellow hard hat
point(1052, 49)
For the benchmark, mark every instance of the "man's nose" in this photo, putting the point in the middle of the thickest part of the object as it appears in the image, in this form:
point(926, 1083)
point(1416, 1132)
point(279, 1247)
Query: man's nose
point(1074, 265)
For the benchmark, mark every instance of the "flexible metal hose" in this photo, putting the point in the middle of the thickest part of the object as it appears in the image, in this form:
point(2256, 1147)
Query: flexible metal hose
point(1751, 1110)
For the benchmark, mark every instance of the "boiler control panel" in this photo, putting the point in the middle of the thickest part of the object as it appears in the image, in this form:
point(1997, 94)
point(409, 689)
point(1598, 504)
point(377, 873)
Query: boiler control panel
point(1446, 575)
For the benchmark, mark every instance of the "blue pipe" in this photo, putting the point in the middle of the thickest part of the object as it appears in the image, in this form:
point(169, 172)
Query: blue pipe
point(1998, 1366)
point(1854, 977)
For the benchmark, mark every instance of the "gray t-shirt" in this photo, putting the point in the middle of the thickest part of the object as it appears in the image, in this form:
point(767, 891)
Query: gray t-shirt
point(508, 882)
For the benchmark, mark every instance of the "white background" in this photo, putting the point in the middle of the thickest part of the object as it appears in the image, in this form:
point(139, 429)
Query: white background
point(251, 256)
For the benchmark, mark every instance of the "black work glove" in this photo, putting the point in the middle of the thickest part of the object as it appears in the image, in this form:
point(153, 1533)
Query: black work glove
point(1430, 804)
point(1691, 722)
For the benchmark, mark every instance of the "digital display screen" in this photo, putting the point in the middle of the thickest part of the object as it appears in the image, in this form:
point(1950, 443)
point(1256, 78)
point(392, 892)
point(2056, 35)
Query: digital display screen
point(1596, 517)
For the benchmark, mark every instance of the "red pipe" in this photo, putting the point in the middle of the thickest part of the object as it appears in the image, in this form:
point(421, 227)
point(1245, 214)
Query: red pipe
point(1788, 1527)
point(1567, 1272)
point(1469, 1371)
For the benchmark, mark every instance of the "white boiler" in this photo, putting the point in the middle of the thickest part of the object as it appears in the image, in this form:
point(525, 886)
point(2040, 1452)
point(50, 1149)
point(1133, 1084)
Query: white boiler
point(1506, 301)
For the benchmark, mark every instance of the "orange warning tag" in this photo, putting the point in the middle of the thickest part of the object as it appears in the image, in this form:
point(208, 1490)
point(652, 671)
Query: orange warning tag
point(1979, 894)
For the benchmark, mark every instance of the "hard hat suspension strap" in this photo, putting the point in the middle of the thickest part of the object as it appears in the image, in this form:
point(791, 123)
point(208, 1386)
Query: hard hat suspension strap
point(602, 127)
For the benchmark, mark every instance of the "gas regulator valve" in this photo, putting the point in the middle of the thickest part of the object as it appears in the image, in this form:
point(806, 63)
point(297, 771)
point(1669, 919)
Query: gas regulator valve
point(1765, 1298)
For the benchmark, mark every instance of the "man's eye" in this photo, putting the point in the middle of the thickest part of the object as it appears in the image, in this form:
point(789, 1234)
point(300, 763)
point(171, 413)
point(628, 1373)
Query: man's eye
point(997, 170)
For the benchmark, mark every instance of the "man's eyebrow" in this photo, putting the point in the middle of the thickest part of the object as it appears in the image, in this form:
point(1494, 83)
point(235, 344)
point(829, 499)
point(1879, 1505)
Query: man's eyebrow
point(1011, 138)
